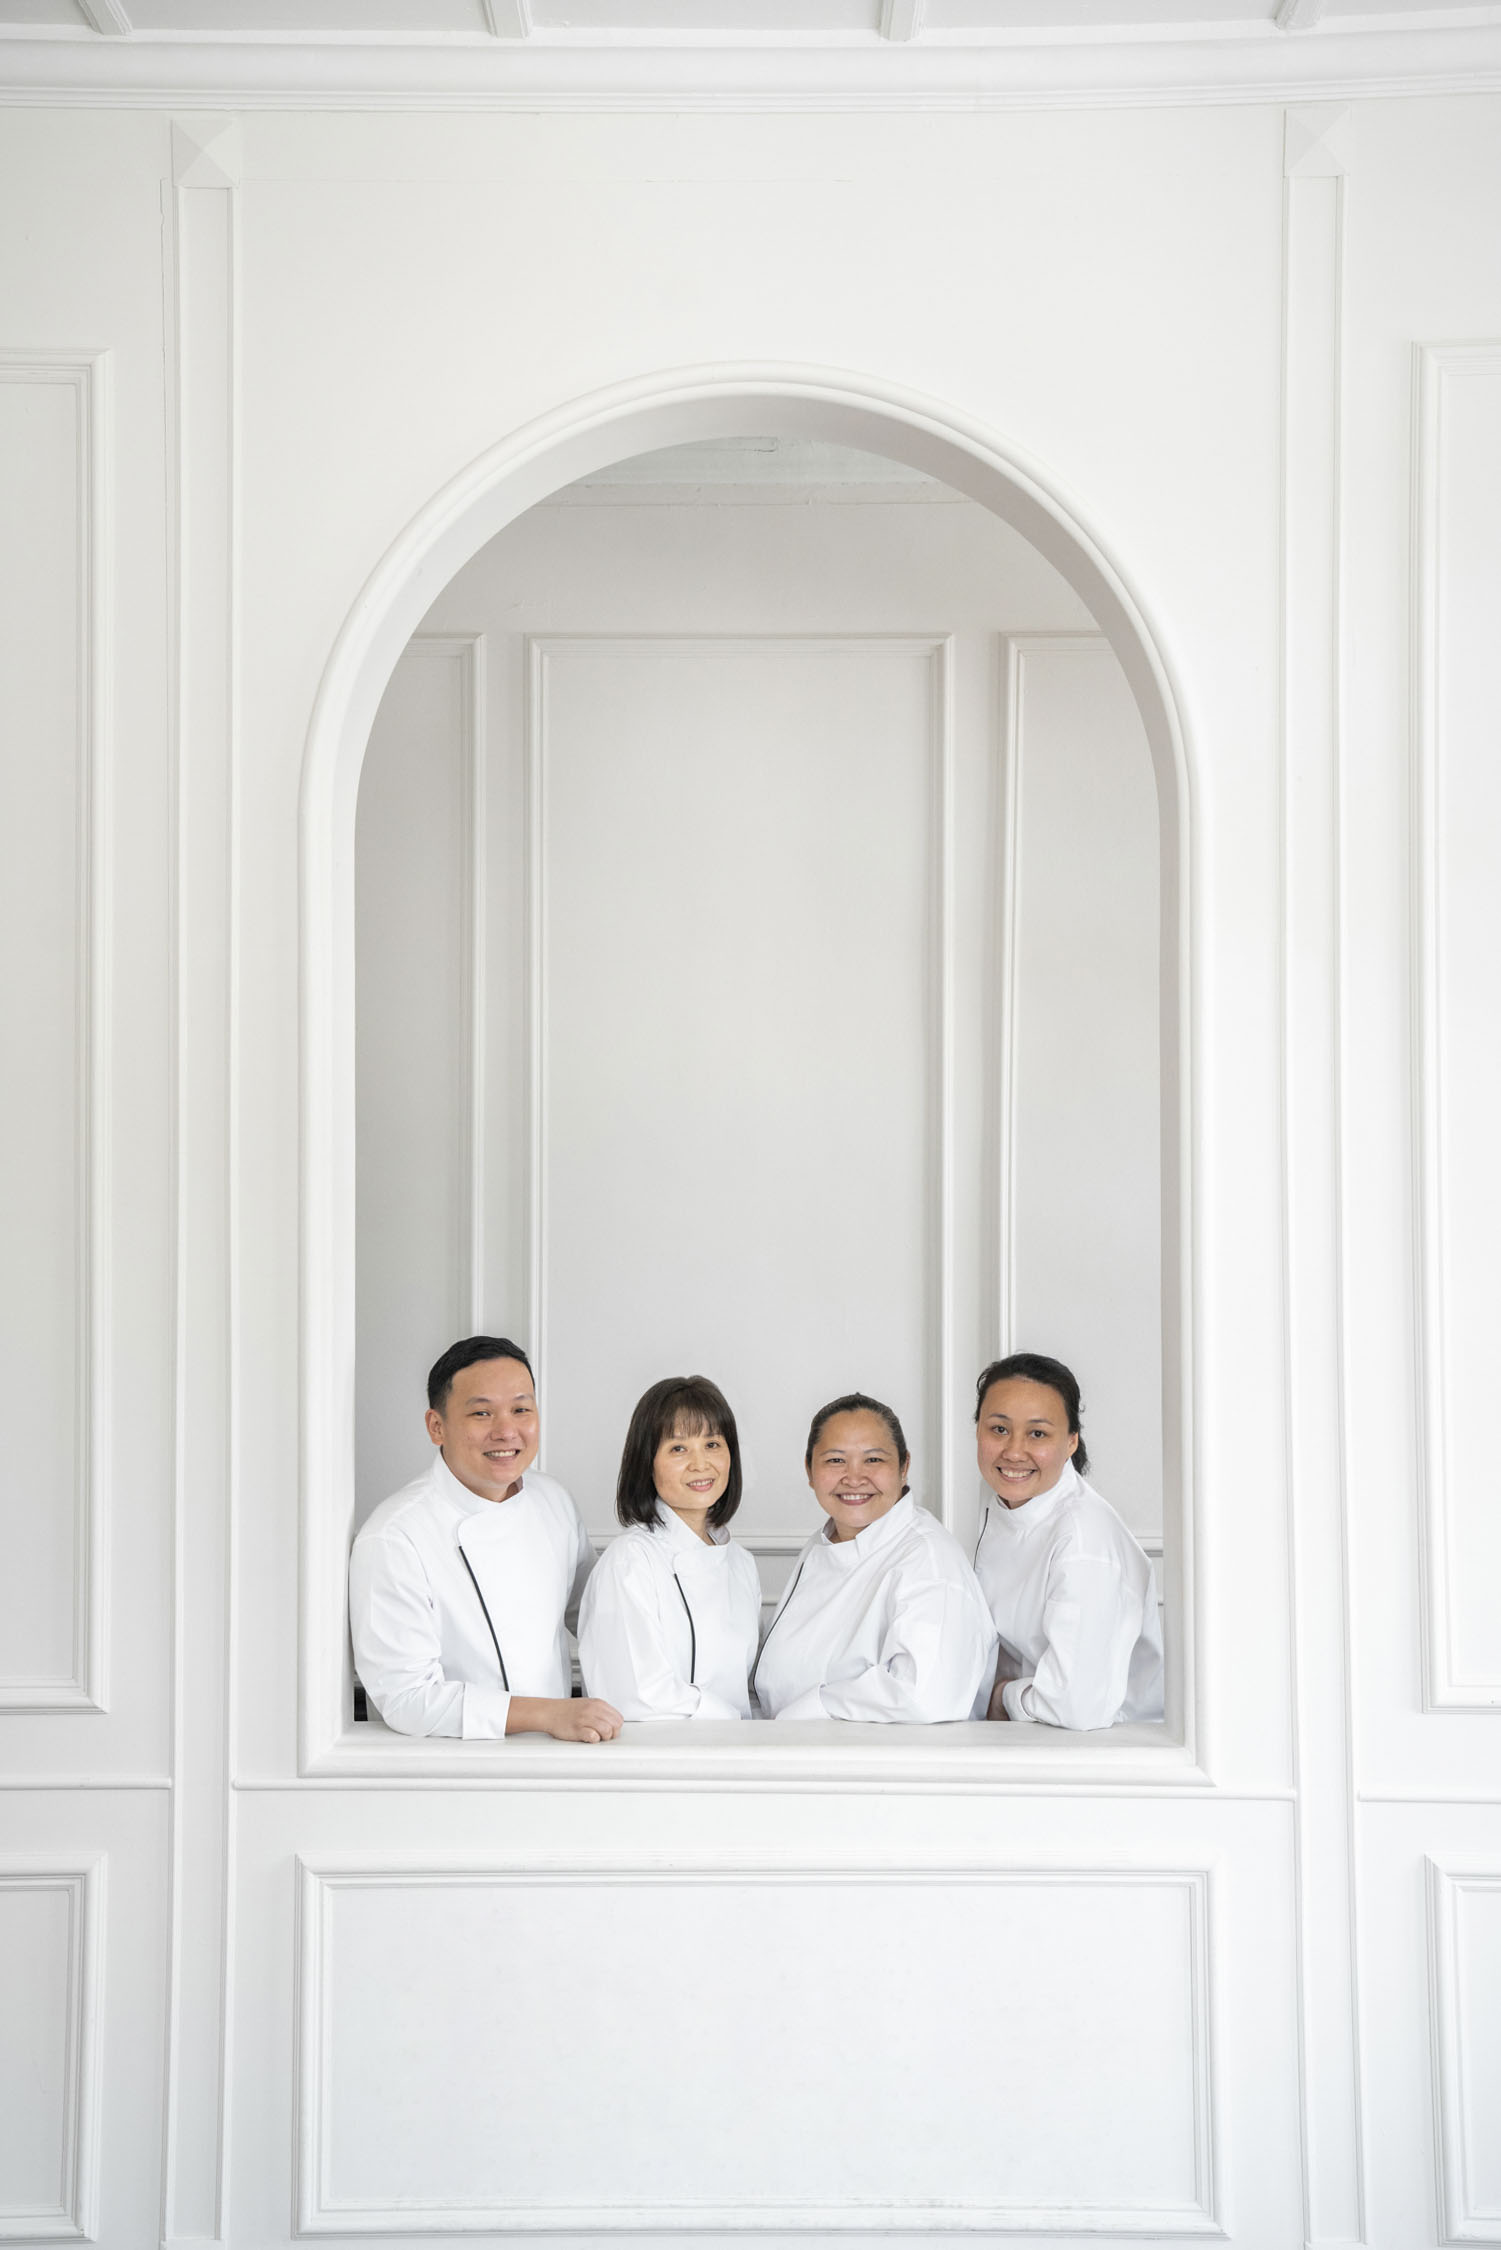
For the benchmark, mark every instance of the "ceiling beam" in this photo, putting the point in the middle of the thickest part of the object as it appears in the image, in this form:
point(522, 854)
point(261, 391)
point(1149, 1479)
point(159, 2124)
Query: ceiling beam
point(1299, 15)
point(108, 18)
point(901, 19)
point(509, 19)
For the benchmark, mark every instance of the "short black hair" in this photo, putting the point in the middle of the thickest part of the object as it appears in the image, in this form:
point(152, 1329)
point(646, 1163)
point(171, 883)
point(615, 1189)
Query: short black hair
point(468, 1352)
point(856, 1402)
point(1036, 1367)
point(699, 1404)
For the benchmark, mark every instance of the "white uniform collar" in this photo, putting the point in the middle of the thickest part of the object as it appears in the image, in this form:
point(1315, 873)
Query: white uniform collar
point(1022, 1521)
point(458, 1495)
point(849, 1552)
point(678, 1532)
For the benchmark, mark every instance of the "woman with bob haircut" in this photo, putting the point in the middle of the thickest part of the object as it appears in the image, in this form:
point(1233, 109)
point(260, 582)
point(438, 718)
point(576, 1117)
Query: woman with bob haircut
point(671, 1614)
point(882, 1618)
point(1073, 1596)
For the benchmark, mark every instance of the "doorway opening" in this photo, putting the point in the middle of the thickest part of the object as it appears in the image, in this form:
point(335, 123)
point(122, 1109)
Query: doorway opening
point(789, 980)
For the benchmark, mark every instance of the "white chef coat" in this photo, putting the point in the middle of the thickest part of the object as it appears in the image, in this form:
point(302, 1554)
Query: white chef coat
point(668, 1624)
point(1075, 1602)
point(888, 1625)
point(421, 1644)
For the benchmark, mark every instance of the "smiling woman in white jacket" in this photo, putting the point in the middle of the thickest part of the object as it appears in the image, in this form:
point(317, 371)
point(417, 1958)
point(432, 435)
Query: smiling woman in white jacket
point(882, 1618)
point(671, 1614)
point(1073, 1596)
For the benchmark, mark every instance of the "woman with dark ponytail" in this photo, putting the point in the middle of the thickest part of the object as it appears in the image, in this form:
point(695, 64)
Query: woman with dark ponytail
point(1073, 1596)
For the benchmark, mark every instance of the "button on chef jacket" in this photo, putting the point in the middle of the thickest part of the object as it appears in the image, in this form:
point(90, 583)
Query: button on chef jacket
point(636, 1645)
point(888, 1625)
point(1075, 1602)
point(421, 1644)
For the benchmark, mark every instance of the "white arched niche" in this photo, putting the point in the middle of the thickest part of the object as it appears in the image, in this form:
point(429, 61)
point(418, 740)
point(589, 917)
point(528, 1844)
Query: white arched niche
point(537, 464)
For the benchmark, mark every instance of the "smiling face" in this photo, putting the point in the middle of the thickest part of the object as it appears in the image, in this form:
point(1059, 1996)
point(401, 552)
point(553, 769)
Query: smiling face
point(856, 1472)
point(690, 1469)
point(1024, 1439)
point(488, 1427)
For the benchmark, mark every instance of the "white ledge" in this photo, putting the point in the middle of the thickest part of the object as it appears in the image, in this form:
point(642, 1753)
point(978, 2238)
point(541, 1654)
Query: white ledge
point(831, 1755)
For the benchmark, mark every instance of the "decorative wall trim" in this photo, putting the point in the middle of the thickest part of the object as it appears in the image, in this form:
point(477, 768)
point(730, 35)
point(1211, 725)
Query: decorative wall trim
point(1312, 1252)
point(87, 374)
point(1451, 2012)
point(670, 408)
point(1092, 66)
point(319, 1882)
point(75, 2217)
point(201, 286)
point(1435, 367)
point(541, 651)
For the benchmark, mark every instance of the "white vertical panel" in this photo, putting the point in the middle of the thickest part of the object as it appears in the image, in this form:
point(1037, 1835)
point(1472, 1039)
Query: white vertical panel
point(1464, 1922)
point(414, 895)
point(1459, 688)
point(738, 1030)
point(50, 1590)
point(49, 2022)
point(1081, 1140)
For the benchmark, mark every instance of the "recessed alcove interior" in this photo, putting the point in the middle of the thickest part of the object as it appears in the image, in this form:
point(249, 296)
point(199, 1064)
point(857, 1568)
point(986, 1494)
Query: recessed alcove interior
point(765, 920)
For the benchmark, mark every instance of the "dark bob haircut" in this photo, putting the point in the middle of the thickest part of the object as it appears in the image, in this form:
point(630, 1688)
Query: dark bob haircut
point(1035, 1367)
point(856, 1402)
point(468, 1353)
point(689, 1405)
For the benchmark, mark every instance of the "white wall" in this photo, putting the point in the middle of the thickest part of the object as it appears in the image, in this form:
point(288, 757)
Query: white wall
point(1272, 1952)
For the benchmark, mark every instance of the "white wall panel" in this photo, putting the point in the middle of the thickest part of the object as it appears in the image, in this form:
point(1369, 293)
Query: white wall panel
point(457, 2025)
point(738, 1014)
point(50, 2020)
point(416, 903)
point(1081, 1190)
point(51, 1591)
point(1459, 688)
point(1465, 1948)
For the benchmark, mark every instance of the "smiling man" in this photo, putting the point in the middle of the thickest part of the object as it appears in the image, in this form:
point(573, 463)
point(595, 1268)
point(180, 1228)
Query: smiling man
point(464, 1585)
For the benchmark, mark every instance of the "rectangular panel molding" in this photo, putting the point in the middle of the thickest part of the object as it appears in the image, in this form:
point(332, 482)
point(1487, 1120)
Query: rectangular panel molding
point(51, 2018)
point(54, 929)
point(1457, 683)
point(1464, 1946)
point(448, 2102)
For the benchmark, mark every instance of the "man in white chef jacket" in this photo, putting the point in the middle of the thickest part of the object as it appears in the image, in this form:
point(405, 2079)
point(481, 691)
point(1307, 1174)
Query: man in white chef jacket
point(464, 1585)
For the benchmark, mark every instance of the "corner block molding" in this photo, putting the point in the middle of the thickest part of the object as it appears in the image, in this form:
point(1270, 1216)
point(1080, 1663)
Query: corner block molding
point(1318, 141)
point(206, 152)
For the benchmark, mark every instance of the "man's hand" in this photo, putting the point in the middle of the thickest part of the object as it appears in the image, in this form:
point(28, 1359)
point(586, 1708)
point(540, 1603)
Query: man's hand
point(566, 1718)
point(997, 1708)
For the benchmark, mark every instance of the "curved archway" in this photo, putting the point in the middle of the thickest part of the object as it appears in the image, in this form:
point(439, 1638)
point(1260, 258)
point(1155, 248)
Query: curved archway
point(673, 408)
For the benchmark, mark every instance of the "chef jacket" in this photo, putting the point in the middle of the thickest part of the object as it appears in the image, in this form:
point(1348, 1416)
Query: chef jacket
point(889, 1625)
point(421, 1643)
point(1075, 1603)
point(668, 1624)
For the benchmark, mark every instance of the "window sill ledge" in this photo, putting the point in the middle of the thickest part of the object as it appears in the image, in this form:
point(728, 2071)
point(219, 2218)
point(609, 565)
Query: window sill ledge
point(971, 1758)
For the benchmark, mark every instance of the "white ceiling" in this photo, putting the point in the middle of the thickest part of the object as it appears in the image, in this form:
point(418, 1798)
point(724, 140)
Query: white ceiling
point(832, 53)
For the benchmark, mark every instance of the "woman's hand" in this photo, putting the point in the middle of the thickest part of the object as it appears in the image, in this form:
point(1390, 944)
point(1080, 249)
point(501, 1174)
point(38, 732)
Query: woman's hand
point(586, 1718)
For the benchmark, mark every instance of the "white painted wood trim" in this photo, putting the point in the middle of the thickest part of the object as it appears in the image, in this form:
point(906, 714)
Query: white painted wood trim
point(87, 374)
point(1091, 67)
point(82, 1879)
point(1461, 2221)
point(1311, 976)
point(321, 1878)
point(1434, 366)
